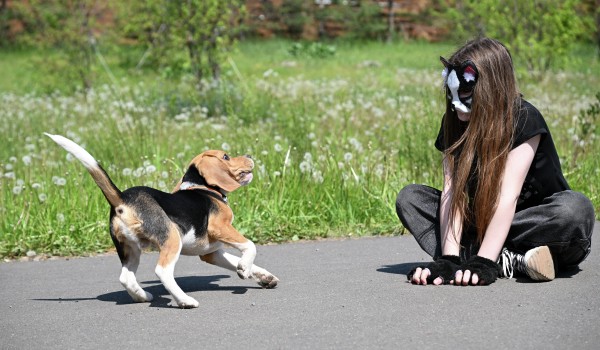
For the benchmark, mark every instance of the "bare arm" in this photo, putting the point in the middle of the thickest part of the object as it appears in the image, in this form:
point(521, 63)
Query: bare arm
point(517, 165)
point(450, 232)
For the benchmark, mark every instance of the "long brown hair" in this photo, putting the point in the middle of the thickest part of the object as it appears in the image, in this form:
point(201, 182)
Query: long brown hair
point(477, 153)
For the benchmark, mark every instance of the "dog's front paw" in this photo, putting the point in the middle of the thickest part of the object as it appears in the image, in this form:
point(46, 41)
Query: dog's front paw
point(266, 280)
point(187, 303)
point(243, 270)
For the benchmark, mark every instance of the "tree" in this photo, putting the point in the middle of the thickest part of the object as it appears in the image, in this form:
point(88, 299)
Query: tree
point(204, 29)
point(68, 26)
point(540, 32)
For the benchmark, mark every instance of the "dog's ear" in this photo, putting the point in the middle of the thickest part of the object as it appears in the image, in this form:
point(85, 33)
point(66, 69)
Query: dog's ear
point(216, 173)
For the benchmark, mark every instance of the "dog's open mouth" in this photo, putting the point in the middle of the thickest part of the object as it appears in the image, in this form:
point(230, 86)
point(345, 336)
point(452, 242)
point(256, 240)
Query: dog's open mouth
point(245, 177)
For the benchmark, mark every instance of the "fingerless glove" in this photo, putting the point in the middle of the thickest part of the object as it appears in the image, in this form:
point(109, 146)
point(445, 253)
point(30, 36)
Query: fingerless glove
point(486, 269)
point(444, 267)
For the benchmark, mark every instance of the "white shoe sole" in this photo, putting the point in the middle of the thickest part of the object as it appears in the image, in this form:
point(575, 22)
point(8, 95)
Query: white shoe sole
point(540, 266)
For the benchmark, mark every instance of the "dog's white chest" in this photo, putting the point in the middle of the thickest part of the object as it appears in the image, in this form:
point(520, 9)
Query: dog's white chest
point(191, 245)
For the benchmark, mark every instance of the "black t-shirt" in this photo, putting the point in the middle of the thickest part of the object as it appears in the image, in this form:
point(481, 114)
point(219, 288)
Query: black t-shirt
point(545, 176)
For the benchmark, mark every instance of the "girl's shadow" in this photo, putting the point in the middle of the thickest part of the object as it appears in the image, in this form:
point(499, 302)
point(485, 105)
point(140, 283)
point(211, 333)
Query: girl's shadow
point(399, 269)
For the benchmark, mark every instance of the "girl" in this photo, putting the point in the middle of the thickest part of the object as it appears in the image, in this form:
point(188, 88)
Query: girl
point(505, 204)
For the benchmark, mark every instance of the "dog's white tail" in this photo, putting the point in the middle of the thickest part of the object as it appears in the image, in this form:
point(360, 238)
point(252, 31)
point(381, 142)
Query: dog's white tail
point(110, 191)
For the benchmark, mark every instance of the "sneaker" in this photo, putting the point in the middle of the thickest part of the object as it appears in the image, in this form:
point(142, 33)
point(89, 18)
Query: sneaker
point(536, 263)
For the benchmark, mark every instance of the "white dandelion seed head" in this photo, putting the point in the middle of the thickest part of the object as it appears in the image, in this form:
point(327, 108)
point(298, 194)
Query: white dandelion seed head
point(127, 172)
point(42, 197)
point(17, 190)
point(225, 146)
point(150, 169)
point(8, 166)
point(347, 156)
point(305, 167)
point(9, 175)
point(278, 147)
point(164, 174)
point(60, 217)
point(26, 160)
point(36, 186)
point(138, 172)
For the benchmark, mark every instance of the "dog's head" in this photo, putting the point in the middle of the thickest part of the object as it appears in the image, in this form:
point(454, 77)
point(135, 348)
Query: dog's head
point(218, 170)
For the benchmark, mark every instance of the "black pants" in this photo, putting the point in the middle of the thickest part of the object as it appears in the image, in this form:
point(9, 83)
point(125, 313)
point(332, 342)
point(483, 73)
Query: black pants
point(564, 222)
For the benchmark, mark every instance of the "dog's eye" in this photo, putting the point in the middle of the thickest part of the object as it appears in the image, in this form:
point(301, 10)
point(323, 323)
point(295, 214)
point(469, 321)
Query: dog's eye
point(226, 157)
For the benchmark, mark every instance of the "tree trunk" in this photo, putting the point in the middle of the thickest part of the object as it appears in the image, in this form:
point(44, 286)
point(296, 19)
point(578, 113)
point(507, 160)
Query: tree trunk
point(391, 27)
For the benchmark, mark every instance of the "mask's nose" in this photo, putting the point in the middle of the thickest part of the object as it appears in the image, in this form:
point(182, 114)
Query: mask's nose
point(460, 106)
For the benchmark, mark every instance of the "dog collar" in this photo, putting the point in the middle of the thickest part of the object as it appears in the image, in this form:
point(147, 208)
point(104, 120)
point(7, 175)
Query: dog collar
point(188, 185)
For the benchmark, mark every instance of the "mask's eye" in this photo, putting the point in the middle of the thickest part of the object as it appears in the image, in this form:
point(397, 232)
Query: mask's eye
point(225, 156)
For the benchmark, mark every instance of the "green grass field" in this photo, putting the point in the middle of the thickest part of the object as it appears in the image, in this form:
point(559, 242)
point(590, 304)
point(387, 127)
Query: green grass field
point(334, 138)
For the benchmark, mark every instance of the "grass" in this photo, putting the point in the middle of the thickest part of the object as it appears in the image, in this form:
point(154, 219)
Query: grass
point(334, 139)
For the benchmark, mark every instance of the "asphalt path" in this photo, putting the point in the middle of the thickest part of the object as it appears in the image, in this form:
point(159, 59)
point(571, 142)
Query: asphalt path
point(340, 294)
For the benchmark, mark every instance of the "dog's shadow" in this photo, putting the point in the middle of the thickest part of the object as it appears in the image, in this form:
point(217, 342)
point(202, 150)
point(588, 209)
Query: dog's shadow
point(188, 284)
point(162, 298)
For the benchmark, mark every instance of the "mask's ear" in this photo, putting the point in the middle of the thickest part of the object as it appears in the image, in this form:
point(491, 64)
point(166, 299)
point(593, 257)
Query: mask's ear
point(217, 174)
point(446, 65)
point(445, 62)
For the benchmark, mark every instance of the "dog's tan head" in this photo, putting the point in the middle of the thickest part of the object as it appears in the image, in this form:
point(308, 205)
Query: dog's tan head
point(218, 170)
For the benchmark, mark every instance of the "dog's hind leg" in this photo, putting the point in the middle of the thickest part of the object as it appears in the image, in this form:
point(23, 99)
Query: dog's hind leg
point(231, 262)
point(169, 254)
point(131, 261)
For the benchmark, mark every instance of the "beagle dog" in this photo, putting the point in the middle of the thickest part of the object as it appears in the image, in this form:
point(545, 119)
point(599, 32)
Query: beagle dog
point(194, 219)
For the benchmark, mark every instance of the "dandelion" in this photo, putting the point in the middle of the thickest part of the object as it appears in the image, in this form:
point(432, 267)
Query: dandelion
point(305, 167)
point(42, 197)
point(60, 217)
point(59, 181)
point(318, 176)
point(126, 172)
point(347, 157)
point(26, 160)
point(150, 169)
point(138, 172)
point(17, 190)
point(278, 147)
point(276, 173)
point(225, 146)
point(164, 174)
point(69, 157)
point(8, 166)
point(379, 170)
point(36, 186)
point(9, 175)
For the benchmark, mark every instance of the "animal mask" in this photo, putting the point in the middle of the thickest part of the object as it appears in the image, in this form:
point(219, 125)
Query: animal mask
point(460, 82)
